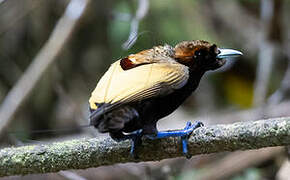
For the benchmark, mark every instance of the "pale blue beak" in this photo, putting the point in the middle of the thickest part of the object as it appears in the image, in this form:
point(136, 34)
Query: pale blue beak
point(228, 53)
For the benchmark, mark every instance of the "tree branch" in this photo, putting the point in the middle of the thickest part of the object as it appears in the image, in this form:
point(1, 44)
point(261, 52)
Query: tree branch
point(94, 152)
point(56, 42)
point(143, 6)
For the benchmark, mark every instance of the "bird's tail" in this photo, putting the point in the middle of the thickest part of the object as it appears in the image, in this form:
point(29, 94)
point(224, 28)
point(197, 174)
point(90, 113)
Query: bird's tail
point(113, 121)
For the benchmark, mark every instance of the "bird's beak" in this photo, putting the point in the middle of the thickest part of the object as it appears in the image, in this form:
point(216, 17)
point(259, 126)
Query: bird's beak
point(228, 53)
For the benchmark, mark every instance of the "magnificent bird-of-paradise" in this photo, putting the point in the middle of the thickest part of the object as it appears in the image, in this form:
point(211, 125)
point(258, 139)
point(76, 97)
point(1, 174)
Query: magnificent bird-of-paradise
point(142, 88)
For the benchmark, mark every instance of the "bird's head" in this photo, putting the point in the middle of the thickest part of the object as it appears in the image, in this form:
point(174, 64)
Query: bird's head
point(202, 55)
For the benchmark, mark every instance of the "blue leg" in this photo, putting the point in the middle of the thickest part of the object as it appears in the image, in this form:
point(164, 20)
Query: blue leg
point(136, 141)
point(184, 134)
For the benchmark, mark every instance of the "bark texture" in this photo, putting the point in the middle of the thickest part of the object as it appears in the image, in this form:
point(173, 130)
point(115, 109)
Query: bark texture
point(94, 152)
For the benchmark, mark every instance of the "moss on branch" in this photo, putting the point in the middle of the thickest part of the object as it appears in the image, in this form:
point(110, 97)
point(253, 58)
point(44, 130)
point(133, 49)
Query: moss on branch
point(94, 152)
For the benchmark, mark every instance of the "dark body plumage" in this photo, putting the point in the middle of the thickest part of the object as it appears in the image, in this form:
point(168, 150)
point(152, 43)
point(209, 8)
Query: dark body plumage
point(145, 114)
point(193, 59)
point(151, 110)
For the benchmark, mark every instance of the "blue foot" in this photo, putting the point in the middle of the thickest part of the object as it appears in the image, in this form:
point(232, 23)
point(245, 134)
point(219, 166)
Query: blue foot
point(189, 128)
point(136, 141)
point(184, 134)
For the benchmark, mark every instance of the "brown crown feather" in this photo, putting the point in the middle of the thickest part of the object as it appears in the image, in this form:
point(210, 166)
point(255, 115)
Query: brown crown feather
point(184, 51)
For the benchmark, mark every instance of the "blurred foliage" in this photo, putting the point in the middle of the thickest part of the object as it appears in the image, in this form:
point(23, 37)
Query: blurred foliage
point(249, 174)
point(239, 91)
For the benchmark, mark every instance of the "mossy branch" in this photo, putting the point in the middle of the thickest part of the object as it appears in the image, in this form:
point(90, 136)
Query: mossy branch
point(94, 152)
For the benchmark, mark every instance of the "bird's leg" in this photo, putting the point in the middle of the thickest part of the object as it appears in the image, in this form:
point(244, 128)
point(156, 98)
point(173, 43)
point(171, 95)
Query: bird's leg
point(184, 134)
point(136, 137)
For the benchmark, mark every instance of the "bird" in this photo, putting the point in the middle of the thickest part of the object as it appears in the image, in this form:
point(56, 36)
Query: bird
point(140, 89)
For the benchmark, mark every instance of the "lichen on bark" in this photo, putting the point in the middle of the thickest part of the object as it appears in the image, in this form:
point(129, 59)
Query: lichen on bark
point(93, 152)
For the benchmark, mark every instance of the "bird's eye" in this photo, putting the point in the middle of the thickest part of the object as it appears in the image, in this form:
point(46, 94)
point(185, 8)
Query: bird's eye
point(197, 53)
point(200, 53)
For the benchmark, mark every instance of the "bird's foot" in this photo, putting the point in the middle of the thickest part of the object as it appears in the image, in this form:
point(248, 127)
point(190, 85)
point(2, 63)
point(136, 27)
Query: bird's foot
point(184, 134)
point(136, 138)
point(189, 128)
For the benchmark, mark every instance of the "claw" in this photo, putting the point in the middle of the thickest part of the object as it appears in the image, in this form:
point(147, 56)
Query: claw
point(184, 134)
point(136, 141)
point(189, 128)
point(184, 147)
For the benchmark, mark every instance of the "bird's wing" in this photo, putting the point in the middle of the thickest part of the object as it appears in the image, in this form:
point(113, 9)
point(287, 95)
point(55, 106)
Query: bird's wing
point(152, 79)
point(148, 56)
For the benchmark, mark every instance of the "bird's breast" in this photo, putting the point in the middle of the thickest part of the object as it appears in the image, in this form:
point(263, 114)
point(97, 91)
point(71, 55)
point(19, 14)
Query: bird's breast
point(157, 108)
